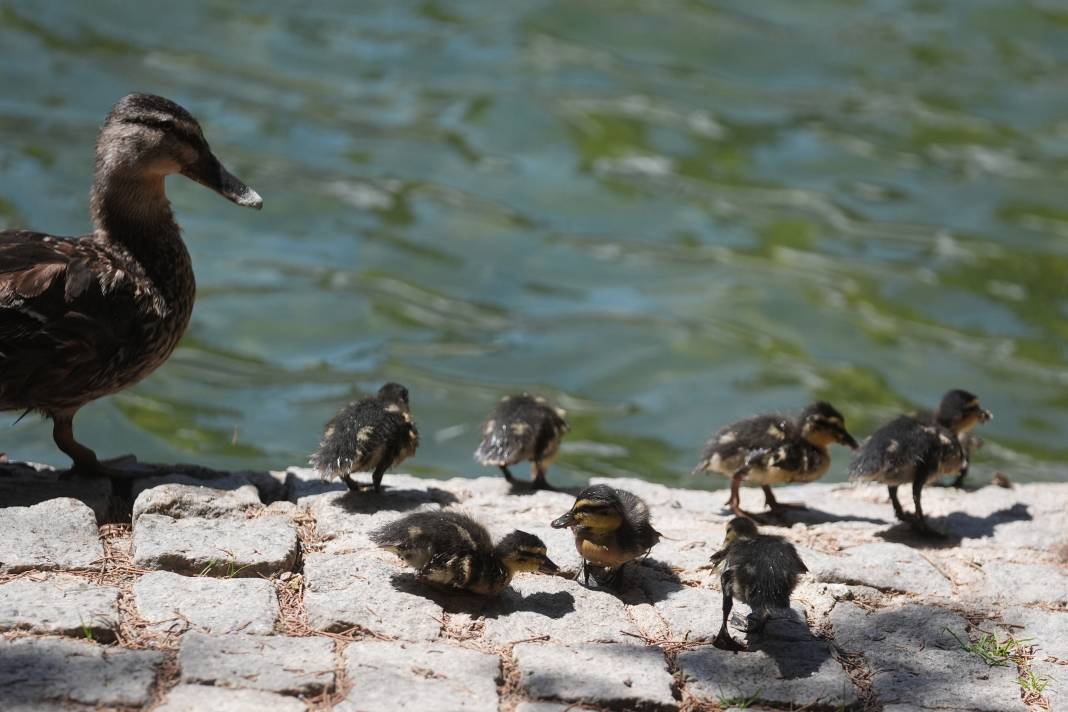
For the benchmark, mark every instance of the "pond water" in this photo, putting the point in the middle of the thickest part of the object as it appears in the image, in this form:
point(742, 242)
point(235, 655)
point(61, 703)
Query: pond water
point(663, 215)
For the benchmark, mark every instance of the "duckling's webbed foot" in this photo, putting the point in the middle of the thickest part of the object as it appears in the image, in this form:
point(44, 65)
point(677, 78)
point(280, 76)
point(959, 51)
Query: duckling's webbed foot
point(723, 639)
point(775, 505)
point(539, 482)
point(507, 474)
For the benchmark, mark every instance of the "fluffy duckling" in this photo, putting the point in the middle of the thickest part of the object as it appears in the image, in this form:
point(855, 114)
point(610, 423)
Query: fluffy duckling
point(84, 317)
point(453, 550)
point(370, 434)
point(774, 449)
point(969, 442)
point(908, 449)
point(611, 527)
point(522, 427)
point(759, 570)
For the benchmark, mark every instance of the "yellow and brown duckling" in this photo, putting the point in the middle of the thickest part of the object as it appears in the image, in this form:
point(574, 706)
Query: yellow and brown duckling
point(451, 549)
point(84, 317)
point(759, 570)
point(775, 449)
point(369, 435)
point(910, 449)
point(611, 527)
point(522, 427)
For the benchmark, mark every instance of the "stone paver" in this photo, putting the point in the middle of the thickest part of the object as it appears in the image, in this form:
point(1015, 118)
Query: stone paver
point(271, 663)
point(197, 698)
point(606, 674)
point(1001, 583)
point(223, 547)
point(775, 672)
point(55, 534)
point(916, 660)
point(59, 604)
point(35, 671)
point(180, 500)
point(172, 602)
point(419, 676)
point(23, 485)
point(885, 566)
point(562, 609)
point(371, 592)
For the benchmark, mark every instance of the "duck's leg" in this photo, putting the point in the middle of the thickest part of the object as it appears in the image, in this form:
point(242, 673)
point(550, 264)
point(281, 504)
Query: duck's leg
point(735, 501)
point(507, 474)
point(537, 473)
point(84, 459)
point(898, 511)
point(352, 484)
point(585, 574)
point(723, 639)
point(775, 505)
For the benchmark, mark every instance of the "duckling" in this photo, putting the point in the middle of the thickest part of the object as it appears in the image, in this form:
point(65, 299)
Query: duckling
point(772, 449)
point(522, 427)
point(85, 317)
point(969, 442)
point(453, 550)
point(760, 570)
point(370, 434)
point(908, 449)
point(611, 527)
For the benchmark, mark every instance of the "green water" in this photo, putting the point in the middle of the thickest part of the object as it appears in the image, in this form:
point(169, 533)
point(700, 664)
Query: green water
point(665, 215)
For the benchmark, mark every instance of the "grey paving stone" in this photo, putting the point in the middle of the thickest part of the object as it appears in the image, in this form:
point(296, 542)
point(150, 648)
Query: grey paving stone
point(172, 602)
point(369, 591)
point(562, 609)
point(37, 671)
point(197, 698)
point(691, 612)
point(628, 676)
point(343, 520)
point(55, 534)
point(546, 707)
point(181, 500)
point(238, 547)
point(59, 604)
point(1048, 630)
point(24, 485)
point(916, 660)
point(1007, 583)
point(419, 676)
point(885, 566)
point(777, 672)
point(272, 663)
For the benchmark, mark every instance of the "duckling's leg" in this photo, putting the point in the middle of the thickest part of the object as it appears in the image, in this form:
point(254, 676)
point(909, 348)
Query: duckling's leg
point(507, 474)
point(775, 505)
point(735, 501)
point(920, 522)
point(959, 482)
point(898, 511)
point(585, 574)
point(352, 484)
point(537, 473)
point(723, 639)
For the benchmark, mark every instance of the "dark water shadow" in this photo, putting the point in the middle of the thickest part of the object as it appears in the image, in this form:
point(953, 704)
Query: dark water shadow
point(550, 605)
point(394, 500)
point(957, 527)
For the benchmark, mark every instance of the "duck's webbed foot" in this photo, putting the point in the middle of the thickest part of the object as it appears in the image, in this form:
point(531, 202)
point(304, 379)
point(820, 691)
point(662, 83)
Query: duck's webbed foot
point(539, 481)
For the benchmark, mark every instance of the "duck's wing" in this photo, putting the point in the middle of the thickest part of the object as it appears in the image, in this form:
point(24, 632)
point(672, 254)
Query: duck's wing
point(57, 319)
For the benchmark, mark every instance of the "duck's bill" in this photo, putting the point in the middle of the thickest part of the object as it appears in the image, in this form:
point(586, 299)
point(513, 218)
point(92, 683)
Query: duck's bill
point(209, 172)
point(548, 567)
point(848, 440)
point(568, 520)
point(985, 415)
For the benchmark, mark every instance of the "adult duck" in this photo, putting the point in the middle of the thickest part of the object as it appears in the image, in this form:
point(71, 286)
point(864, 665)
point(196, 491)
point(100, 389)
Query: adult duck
point(84, 317)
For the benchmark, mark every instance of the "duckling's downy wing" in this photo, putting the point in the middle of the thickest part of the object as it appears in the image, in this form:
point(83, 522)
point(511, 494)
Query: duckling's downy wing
point(638, 519)
point(67, 306)
point(361, 434)
point(894, 451)
point(520, 428)
point(728, 448)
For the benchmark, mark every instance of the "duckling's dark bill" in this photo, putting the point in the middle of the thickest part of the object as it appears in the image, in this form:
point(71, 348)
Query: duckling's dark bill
point(548, 567)
point(210, 173)
point(564, 521)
